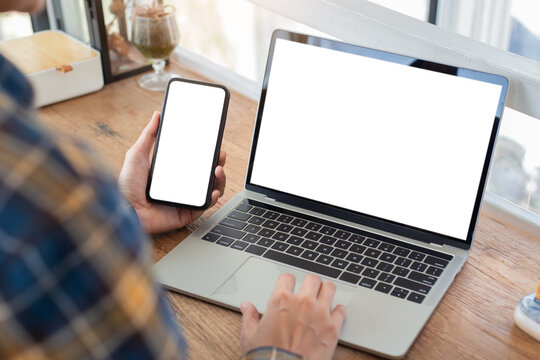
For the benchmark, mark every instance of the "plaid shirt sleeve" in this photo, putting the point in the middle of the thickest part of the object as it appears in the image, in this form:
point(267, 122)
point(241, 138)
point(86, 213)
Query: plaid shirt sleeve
point(75, 279)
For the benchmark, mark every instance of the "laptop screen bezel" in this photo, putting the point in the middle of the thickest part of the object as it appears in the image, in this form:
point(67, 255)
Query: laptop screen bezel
point(361, 218)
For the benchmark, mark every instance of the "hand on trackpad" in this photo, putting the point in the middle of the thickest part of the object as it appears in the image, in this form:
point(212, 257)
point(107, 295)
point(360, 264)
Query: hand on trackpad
point(255, 279)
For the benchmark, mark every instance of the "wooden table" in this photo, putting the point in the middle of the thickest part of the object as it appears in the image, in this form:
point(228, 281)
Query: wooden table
point(474, 319)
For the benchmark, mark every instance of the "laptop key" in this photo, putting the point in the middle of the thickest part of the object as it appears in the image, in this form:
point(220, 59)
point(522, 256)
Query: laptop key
point(280, 236)
point(359, 249)
point(222, 230)
point(399, 292)
point(242, 216)
point(386, 247)
point(436, 262)
point(348, 277)
point(299, 232)
point(387, 278)
point(354, 258)
point(328, 240)
point(387, 257)
point(285, 219)
point(342, 244)
point(239, 245)
point(251, 238)
point(295, 240)
point(384, 266)
point(401, 261)
point(371, 243)
point(341, 264)
point(371, 273)
point(367, 282)
point(313, 226)
point(303, 264)
point(412, 285)
point(369, 262)
point(432, 270)
point(357, 239)
point(225, 241)
point(243, 207)
point(310, 255)
point(382, 287)
point(272, 215)
point(256, 220)
point(327, 230)
point(257, 211)
point(399, 271)
point(343, 235)
point(266, 232)
point(324, 259)
point(372, 253)
point(210, 237)
point(299, 222)
point(417, 298)
point(423, 278)
point(339, 253)
point(235, 224)
point(294, 250)
point(252, 228)
point(418, 266)
point(270, 224)
point(309, 244)
point(325, 249)
point(284, 228)
point(265, 242)
point(399, 251)
point(417, 256)
point(280, 246)
point(355, 268)
point(255, 249)
point(313, 236)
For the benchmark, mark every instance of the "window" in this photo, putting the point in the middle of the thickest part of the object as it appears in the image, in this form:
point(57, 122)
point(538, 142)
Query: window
point(14, 25)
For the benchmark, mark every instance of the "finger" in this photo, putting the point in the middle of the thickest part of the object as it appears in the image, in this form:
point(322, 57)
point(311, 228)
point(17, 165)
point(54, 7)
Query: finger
point(220, 180)
point(338, 315)
point(311, 286)
point(222, 158)
point(285, 282)
point(148, 136)
point(250, 320)
point(327, 293)
point(214, 198)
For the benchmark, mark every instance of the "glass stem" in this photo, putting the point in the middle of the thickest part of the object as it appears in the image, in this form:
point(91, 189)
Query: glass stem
point(158, 65)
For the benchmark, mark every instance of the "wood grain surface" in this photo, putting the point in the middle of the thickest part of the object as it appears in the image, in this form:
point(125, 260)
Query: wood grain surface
point(473, 321)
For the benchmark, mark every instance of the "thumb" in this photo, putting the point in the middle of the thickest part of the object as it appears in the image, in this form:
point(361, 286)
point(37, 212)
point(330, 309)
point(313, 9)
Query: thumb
point(250, 320)
point(148, 136)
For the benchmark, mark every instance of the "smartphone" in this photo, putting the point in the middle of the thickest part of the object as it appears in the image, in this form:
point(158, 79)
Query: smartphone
point(187, 145)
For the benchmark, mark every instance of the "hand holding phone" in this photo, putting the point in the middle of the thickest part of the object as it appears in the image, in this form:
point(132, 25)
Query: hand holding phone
point(188, 143)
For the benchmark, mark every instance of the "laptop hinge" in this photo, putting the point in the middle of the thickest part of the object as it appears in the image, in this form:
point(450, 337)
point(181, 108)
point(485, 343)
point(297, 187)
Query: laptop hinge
point(269, 198)
point(436, 245)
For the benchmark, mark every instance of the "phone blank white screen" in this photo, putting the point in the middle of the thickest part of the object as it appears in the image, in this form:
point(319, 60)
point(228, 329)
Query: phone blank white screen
point(189, 132)
point(384, 139)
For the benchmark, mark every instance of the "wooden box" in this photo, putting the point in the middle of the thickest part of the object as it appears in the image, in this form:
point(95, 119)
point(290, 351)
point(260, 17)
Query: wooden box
point(58, 66)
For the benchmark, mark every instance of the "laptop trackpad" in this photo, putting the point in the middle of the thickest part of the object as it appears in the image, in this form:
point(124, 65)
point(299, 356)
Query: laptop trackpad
point(256, 278)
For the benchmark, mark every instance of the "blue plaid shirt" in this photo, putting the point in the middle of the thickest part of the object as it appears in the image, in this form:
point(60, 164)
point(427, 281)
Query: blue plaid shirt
point(75, 279)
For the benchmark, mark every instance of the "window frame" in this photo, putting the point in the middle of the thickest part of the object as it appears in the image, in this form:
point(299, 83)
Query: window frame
point(355, 21)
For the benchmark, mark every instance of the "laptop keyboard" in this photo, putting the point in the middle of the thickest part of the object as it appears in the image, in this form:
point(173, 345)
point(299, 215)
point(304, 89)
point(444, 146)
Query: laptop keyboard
point(402, 270)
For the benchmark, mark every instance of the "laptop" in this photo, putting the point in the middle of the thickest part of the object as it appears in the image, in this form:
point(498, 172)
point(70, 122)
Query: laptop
point(366, 168)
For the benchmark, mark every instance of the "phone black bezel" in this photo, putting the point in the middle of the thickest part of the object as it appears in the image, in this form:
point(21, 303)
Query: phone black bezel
point(216, 151)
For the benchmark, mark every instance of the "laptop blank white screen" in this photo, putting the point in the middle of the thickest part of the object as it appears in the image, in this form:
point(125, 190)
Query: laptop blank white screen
point(376, 137)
